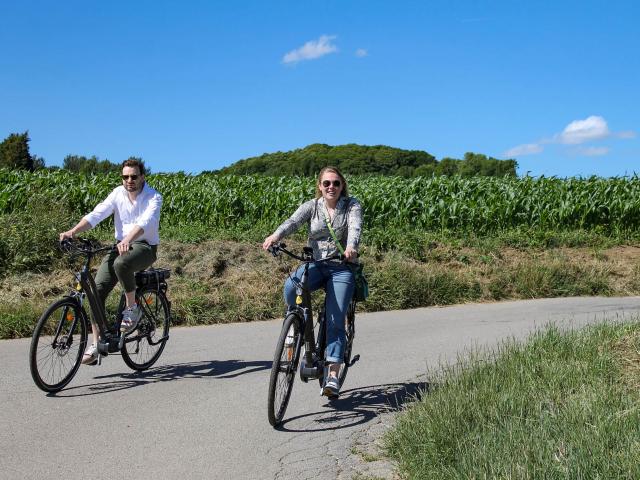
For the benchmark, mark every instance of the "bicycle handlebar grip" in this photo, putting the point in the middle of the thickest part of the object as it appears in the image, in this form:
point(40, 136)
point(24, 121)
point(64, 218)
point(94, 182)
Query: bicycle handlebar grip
point(65, 245)
point(275, 248)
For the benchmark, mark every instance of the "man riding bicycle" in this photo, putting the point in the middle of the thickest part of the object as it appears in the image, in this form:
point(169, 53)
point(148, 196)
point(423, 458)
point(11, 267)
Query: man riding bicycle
point(136, 210)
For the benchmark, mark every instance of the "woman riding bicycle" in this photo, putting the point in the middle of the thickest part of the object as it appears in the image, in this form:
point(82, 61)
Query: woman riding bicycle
point(332, 209)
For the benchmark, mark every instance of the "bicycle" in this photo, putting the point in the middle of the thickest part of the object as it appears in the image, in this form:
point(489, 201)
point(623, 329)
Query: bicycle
point(298, 327)
point(60, 335)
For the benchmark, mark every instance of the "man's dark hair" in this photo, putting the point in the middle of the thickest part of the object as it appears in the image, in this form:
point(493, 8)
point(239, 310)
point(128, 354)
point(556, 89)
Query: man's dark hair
point(134, 162)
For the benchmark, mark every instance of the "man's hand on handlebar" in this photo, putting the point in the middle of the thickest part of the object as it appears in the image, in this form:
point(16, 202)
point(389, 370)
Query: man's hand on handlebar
point(66, 235)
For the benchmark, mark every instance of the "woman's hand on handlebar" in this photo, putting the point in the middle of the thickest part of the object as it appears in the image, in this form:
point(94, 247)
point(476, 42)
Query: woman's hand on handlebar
point(350, 254)
point(270, 240)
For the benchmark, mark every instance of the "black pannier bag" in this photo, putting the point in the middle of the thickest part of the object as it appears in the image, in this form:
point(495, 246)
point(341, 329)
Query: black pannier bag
point(152, 276)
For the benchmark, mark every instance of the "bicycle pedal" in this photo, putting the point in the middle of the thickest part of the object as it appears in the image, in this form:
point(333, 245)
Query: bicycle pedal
point(354, 360)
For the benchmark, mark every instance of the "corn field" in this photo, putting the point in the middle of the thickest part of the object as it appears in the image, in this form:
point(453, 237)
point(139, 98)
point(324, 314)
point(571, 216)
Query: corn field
point(477, 204)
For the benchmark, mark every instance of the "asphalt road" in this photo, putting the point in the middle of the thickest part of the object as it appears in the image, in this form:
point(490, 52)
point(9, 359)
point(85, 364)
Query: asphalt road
point(201, 411)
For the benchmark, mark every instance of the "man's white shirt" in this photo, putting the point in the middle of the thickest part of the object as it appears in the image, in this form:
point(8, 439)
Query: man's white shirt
point(143, 212)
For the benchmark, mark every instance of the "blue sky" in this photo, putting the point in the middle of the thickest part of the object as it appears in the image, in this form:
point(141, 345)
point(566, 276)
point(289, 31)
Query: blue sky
point(197, 85)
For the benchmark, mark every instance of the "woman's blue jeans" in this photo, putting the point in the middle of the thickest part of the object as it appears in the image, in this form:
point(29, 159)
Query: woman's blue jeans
point(337, 278)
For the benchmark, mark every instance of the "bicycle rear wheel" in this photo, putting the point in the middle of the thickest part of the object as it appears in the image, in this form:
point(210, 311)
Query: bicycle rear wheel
point(283, 369)
point(144, 346)
point(57, 345)
point(350, 331)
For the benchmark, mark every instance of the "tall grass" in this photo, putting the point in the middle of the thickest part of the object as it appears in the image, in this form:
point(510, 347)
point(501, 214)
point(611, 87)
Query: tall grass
point(564, 405)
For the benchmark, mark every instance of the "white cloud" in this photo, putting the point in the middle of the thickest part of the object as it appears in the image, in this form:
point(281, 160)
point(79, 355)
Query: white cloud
point(361, 52)
point(580, 131)
point(593, 151)
point(627, 134)
point(312, 49)
point(526, 149)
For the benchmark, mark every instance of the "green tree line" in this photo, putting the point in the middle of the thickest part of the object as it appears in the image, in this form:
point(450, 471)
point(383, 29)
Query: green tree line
point(355, 159)
point(352, 159)
point(15, 155)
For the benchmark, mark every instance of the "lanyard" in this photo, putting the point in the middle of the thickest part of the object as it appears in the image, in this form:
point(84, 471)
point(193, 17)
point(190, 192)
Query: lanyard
point(333, 234)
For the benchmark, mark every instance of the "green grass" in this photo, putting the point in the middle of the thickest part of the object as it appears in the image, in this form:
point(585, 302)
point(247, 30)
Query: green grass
point(222, 275)
point(18, 321)
point(563, 405)
point(223, 281)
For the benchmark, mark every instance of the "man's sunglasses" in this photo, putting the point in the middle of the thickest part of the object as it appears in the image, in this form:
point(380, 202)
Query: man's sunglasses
point(127, 177)
point(335, 183)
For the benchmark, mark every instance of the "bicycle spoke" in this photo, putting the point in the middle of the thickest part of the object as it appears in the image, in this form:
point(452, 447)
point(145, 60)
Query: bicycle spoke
point(56, 346)
point(142, 350)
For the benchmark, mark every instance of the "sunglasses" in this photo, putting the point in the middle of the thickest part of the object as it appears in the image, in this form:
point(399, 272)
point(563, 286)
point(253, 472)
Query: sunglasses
point(335, 183)
point(127, 177)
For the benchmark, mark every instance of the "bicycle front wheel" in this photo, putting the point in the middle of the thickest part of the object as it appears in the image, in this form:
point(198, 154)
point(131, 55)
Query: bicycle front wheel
point(57, 345)
point(283, 369)
point(144, 346)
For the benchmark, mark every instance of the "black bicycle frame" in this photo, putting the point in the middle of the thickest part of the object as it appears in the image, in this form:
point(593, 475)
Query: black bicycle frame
point(310, 369)
point(304, 294)
point(89, 286)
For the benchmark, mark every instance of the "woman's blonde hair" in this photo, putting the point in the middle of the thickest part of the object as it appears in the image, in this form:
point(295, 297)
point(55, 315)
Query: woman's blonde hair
point(345, 188)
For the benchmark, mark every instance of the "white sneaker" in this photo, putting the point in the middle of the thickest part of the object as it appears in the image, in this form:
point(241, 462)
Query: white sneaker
point(90, 356)
point(331, 387)
point(130, 318)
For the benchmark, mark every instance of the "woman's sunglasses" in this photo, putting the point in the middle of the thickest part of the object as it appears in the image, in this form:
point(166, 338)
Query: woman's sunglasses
point(335, 183)
point(127, 177)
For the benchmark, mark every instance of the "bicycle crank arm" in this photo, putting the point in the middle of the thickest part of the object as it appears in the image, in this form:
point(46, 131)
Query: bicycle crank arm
point(354, 360)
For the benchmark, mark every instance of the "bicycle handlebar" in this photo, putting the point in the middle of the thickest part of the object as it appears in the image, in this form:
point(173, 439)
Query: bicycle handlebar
point(82, 246)
point(276, 248)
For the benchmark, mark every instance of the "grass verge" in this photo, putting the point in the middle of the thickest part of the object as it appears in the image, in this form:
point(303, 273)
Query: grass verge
point(562, 405)
point(218, 281)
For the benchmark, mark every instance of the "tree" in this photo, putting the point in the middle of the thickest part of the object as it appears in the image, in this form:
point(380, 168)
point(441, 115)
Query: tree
point(38, 162)
point(448, 166)
point(14, 152)
point(82, 164)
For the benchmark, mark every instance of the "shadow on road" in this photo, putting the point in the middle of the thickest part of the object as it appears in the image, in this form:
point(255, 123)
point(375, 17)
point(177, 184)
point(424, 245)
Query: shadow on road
point(165, 373)
point(356, 406)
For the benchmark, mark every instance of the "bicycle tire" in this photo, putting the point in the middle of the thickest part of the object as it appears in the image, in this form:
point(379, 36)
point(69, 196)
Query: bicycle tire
point(283, 369)
point(144, 346)
point(57, 345)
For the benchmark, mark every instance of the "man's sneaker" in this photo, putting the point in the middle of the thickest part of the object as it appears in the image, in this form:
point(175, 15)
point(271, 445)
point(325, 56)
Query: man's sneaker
point(90, 356)
point(331, 387)
point(130, 318)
